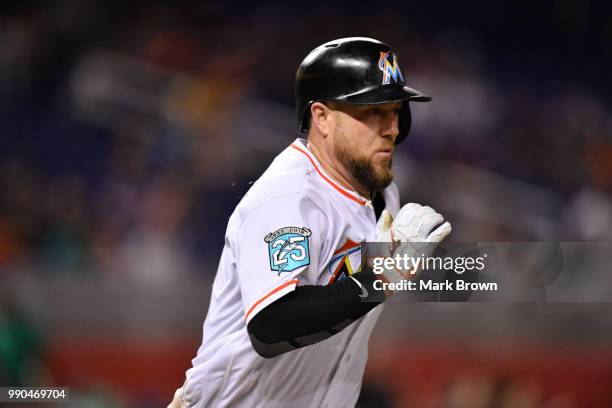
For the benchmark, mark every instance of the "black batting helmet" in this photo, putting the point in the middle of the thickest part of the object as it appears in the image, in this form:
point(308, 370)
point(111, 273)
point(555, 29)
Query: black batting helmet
point(354, 70)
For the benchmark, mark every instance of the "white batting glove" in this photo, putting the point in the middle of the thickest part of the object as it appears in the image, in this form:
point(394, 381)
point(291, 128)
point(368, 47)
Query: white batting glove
point(413, 223)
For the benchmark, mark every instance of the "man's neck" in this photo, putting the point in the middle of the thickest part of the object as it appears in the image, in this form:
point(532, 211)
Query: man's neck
point(331, 166)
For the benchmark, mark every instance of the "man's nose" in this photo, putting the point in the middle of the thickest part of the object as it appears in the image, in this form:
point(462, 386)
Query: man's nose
point(390, 125)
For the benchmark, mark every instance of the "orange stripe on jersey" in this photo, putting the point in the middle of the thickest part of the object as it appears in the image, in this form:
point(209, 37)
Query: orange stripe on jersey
point(334, 185)
point(273, 291)
point(346, 246)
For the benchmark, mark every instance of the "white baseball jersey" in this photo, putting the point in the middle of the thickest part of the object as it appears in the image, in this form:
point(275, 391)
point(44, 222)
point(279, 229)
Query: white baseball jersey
point(296, 226)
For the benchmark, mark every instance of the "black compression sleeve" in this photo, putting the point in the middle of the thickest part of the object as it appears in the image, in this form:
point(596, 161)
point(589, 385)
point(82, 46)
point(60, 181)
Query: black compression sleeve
point(310, 314)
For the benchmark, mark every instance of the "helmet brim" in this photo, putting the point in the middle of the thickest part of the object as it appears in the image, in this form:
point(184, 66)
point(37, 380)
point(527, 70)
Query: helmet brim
point(386, 94)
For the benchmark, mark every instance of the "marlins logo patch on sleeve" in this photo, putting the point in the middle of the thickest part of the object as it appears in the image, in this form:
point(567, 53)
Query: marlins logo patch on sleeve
point(288, 248)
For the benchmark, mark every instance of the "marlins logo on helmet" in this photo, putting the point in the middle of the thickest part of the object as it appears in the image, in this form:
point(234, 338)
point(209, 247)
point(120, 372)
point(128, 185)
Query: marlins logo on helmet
point(390, 70)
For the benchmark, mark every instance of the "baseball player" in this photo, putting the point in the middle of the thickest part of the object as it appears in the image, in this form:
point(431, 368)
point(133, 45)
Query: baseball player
point(287, 324)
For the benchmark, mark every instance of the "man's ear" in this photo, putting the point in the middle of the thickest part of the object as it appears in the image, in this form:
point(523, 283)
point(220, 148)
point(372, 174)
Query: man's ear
point(321, 118)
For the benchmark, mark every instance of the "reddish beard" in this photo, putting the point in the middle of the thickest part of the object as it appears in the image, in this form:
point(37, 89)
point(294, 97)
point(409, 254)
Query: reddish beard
point(363, 171)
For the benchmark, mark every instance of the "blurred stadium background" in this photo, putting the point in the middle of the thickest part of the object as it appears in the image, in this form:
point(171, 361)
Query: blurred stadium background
point(128, 133)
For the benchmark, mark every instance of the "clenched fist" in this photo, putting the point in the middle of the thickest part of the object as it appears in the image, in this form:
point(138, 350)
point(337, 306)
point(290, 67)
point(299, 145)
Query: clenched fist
point(413, 223)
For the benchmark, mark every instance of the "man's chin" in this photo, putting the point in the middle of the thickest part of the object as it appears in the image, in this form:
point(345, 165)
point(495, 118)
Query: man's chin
point(384, 172)
point(372, 175)
point(384, 178)
point(382, 164)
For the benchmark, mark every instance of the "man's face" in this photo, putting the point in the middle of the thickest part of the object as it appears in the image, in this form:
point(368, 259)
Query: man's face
point(364, 141)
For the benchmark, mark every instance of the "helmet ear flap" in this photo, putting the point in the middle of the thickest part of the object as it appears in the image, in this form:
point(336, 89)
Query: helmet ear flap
point(304, 118)
point(405, 121)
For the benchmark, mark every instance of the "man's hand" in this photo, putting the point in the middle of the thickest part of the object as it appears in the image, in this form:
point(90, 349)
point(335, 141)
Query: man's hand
point(415, 224)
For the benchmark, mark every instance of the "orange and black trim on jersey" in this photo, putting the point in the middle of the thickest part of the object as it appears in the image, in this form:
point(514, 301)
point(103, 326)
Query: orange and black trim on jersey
point(270, 293)
point(343, 267)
